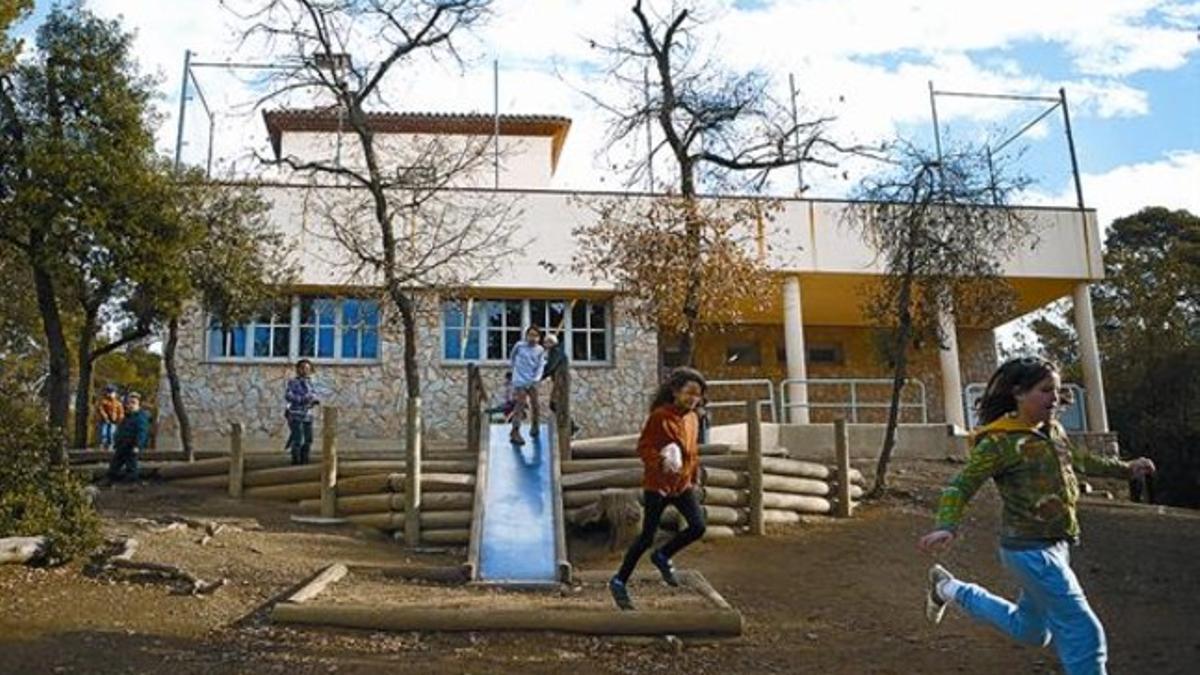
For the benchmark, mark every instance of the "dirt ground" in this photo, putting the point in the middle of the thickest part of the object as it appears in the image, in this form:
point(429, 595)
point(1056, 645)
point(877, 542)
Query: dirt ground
point(824, 596)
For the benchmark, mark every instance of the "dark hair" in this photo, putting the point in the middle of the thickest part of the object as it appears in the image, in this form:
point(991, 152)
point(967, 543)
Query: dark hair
point(302, 362)
point(1015, 375)
point(674, 382)
point(535, 328)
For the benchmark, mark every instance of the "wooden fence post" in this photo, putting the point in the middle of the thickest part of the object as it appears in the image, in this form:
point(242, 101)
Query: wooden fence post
point(474, 409)
point(329, 463)
point(841, 443)
point(412, 467)
point(237, 460)
point(562, 405)
point(754, 467)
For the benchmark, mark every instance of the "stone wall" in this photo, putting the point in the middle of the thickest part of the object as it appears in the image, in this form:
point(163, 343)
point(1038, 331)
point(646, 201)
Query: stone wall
point(605, 399)
point(857, 358)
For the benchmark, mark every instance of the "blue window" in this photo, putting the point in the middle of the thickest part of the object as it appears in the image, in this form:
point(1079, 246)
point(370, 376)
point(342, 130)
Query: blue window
point(314, 327)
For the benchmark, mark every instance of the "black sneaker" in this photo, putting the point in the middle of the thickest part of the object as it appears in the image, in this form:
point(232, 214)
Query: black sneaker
point(665, 568)
point(620, 593)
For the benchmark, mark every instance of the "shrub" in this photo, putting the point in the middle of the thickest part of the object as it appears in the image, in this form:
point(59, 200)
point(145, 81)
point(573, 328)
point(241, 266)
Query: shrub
point(38, 498)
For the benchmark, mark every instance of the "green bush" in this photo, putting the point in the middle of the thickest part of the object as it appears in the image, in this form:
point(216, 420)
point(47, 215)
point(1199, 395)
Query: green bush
point(36, 497)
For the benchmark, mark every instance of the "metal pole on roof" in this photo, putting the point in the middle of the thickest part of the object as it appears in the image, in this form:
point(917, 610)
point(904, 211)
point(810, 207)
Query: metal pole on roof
point(1062, 96)
point(649, 131)
point(183, 88)
point(496, 130)
point(796, 131)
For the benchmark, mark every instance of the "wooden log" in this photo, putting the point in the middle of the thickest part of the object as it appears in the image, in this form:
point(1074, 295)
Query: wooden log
point(800, 486)
point(695, 580)
point(722, 478)
point(805, 503)
point(624, 516)
point(443, 520)
point(394, 501)
point(605, 478)
point(576, 498)
point(329, 463)
point(21, 550)
point(713, 515)
point(200, 467)
point(580, 450)
point(292, 492)
point(214, 481)
point(474, 408)
point(856, 476)
point(362, 485)
point(237, 461)
point(362, 468)
point(781, 516)
point(431, 521)
point(456, 537)
point(436, 482)
point(841, 442)
point(794, 467)
point(318, 583)
point(798, 503)
point(284, 475)
point(754, 469)
point(718, 496)
point(579, 621)
point(585, 465)
point(720, 532)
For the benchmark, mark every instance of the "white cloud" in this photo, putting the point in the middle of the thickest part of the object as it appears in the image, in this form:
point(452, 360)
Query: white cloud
point(1172, 182)
point(831, 46)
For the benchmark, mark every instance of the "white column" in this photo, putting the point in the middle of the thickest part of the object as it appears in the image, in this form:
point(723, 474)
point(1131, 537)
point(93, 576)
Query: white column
point(1089, 355)
point(793, 333)
point(952, 401)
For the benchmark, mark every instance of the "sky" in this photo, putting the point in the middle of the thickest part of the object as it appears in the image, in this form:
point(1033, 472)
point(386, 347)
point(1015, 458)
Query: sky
point(1130, 70)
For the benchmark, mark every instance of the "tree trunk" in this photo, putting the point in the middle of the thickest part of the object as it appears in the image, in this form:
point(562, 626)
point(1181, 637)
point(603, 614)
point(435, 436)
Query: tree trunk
point(83, 387)
point(899, 375)
point(695, 269)
point(185, 424)
point(58, 384)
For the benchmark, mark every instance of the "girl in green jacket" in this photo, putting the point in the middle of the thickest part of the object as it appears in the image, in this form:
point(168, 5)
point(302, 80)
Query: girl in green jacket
point(1023, 449)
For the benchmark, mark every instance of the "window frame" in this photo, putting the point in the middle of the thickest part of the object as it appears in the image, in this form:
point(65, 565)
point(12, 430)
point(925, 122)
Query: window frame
point(565, 336)
point(294, 326)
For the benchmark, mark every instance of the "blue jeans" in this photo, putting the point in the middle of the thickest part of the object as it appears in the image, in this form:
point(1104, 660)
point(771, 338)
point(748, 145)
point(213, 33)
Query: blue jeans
point(300, 438)
point(1051, 607)
point(107, 430)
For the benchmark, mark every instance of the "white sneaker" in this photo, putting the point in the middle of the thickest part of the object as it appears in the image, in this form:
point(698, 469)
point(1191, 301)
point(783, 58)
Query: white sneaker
point(935, 606)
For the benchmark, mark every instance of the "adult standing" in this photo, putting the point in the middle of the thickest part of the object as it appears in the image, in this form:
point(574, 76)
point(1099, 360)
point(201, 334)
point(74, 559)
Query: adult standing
point(301, 397)
point(528, 363)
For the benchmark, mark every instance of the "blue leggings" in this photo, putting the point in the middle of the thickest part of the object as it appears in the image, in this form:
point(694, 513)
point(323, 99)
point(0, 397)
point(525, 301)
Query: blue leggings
point(1050, 608)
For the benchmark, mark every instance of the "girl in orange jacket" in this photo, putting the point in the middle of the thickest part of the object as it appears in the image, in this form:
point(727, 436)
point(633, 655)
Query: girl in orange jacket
point(670, 452)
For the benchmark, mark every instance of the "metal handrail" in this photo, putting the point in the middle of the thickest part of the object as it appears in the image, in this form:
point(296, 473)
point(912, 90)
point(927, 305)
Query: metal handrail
point(770, 400)
point(854, 404)
point(974, 390)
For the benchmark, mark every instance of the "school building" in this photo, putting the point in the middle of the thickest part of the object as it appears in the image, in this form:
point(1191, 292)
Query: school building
point(811, 356)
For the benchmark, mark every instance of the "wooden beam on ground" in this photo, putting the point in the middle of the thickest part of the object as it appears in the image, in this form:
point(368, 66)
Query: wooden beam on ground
point(318, 583)
point(754, 469)
point(329, 463)
point(841, 440)
point(694, 580)
point(237, 461)
point(582, 621)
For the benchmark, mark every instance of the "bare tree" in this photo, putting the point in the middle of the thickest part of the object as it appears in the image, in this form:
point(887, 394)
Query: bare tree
point(404, 223)
point(943, 229)
point(718, 128)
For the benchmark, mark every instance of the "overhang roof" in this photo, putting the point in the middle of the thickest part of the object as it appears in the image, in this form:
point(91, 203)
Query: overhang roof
point(473, 124)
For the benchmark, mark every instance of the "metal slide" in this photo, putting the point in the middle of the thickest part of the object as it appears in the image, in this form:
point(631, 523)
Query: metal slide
point(517, 535)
